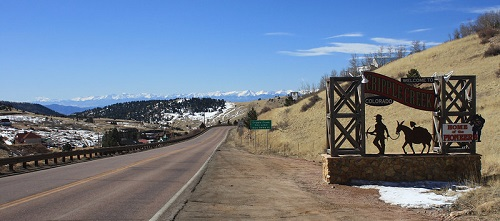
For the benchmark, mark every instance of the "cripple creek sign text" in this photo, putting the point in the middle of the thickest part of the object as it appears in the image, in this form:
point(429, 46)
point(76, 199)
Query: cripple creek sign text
point(400, 92)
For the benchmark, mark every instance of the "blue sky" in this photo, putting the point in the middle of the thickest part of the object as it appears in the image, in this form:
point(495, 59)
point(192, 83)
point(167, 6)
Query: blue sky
point(77, 48)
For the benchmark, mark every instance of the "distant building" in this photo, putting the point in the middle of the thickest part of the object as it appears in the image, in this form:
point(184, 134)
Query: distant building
point(294, 95)
point(375, 63)
point(152, 134)
point(5, 122)
point(27, 138)
point(379, 62)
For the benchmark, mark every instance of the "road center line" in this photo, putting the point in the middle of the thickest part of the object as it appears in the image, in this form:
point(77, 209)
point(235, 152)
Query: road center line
point(79, 182)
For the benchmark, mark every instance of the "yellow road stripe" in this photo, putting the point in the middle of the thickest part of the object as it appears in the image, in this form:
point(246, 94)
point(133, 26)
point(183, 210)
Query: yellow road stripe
point(76, 183)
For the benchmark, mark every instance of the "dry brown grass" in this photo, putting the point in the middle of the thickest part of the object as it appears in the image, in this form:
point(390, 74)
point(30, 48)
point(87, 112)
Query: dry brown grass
point(303, 134)
point(482, 203)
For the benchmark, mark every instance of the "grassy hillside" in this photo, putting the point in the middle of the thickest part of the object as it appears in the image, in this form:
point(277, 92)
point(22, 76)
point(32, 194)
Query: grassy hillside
point(303, 134)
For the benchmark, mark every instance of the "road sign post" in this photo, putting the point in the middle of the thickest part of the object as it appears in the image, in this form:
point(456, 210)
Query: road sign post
point(261, 125)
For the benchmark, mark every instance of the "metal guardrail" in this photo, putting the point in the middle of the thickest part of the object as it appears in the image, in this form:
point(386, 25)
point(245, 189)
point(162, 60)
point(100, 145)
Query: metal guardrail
point(88, 153)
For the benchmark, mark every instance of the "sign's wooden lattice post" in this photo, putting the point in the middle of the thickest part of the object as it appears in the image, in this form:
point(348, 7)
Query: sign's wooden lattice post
point(345, 116)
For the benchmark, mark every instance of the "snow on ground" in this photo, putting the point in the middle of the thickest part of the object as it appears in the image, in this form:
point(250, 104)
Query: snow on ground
point(80, 138)
point(54, 135)
point(210, 117)
point(416, 194)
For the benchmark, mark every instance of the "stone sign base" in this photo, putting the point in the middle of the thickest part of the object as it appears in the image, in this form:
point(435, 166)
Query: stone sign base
point(396, 168)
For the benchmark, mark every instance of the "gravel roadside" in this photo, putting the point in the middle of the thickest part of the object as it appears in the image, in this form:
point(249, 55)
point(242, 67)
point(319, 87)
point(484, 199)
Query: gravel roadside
point(238, 185)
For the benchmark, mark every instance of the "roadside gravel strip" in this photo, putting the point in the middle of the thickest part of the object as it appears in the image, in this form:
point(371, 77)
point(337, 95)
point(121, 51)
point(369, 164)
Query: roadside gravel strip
point(168, 211)
point(238, 185)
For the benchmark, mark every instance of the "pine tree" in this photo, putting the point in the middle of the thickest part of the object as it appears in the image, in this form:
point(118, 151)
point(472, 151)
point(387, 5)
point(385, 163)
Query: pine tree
point(251, 115)
point(111, 138)
point(289, 101)
point(413, 73)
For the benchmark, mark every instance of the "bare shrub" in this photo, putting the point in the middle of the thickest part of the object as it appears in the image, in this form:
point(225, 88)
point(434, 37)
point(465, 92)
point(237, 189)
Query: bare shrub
point(401, 75)
point(264, 110)
point(493, 50)
point(487, 33)
point(283, 125)
point(312, 101)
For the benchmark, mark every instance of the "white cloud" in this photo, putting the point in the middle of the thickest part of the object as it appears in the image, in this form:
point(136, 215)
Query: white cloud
point(432, 43)
point(391, 41)
point(349, 48)
point(278, 34)
point(437, 1)
point(485, 9)
point(404, 42)
point(347, 35)
point(419, 30)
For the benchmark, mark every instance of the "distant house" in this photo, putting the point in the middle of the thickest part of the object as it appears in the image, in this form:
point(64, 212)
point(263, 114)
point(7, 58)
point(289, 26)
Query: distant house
point(5, 122)
point(379, 62)
point(152, 134)
point(375, 63)
point(295, 95)
point(363, 68)
point(27, 138)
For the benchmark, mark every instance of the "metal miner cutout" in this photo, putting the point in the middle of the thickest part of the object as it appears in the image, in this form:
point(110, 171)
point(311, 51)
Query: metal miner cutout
point(414, 135)
point(379, 132)
point(477, 123)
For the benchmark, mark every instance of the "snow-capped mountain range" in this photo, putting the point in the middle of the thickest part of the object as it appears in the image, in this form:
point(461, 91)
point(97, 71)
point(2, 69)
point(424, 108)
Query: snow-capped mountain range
point(82, 103)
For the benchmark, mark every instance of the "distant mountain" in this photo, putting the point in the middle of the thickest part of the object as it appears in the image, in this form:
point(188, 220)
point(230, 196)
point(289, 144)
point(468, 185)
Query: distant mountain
point(101, 101)
point(31, 107)
point(67, 110)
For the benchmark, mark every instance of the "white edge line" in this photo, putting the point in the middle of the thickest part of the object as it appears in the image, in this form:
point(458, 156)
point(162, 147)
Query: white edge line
point(196, 176)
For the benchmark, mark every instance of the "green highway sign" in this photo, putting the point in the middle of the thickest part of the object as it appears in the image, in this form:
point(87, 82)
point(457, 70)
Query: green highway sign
point(260, 124)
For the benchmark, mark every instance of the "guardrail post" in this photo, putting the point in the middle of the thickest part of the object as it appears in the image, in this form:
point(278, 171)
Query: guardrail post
point(46, 162)
point(55, 160)
point(24, 165)
point(11, 167)
point(36, 163)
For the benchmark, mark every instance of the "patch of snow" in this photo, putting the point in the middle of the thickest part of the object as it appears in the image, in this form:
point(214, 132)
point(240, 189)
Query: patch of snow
point(415, 194)
point(58, 137)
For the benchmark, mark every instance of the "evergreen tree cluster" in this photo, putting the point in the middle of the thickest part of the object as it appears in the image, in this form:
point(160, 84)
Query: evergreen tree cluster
point(114, 137)
point(111, 138)
point(154, 110)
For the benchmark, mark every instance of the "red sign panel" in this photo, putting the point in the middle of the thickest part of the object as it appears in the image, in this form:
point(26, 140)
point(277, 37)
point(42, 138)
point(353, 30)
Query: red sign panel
point(458, 133)
point(405, 94)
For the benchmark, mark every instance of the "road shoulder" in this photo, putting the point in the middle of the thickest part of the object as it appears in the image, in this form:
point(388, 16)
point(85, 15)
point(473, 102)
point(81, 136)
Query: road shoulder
point(240, 185)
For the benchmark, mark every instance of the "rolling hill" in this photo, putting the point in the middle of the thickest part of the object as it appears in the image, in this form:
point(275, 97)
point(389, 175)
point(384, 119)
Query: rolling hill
point(31, 107)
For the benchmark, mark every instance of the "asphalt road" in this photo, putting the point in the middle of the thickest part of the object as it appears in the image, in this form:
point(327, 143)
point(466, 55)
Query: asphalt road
point(126, 187)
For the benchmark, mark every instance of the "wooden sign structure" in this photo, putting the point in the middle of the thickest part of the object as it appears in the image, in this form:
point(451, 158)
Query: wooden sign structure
point(345, 116)
point(452, 101)
point(455, 104)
